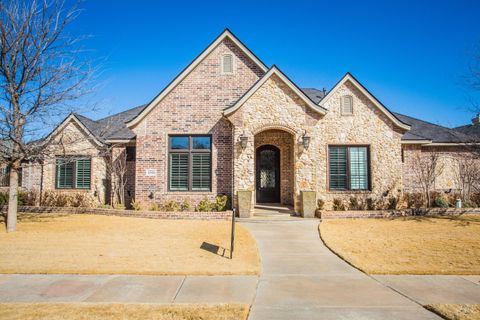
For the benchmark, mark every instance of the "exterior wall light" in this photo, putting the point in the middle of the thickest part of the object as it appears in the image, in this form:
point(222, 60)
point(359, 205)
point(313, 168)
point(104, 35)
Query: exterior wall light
point(306, 140)
point(243, 140)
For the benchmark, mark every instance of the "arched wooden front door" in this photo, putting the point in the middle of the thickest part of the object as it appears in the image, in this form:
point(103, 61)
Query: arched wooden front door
point(268, 174)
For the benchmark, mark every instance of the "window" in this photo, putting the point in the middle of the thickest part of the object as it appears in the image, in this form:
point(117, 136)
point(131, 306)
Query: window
point(348, 167)
point(347, 105)
point(131, 153)
point(73, 173)
point(190, 163)
point(227, 64)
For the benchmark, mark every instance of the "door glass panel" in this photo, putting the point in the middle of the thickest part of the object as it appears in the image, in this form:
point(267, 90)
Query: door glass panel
point(267, 169)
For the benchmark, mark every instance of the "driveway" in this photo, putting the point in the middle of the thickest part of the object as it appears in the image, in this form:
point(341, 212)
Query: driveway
point(302, 279)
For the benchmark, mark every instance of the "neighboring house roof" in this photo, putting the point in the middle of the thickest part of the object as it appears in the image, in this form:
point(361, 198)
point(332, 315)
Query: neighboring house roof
point(225, 34)
point(349, 77)
point(469, 129)
point(274, 71)
point(314, 94)
point(423, 130)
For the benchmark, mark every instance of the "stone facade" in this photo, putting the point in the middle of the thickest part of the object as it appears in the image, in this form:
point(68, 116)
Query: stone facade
point(41, 177)
point(275, 105)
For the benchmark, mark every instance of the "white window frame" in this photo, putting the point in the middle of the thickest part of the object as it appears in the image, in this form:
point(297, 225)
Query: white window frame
point(222, 59)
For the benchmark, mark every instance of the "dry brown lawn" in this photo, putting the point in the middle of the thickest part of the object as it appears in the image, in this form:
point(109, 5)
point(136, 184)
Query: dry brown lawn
point(414, 245)
point(94, 244)
point(456, 311)
point(85, 311)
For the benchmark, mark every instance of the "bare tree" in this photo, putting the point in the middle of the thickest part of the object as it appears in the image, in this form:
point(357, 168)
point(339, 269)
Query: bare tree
point(41, 74)
point(467, 174)
point(116, 167)
point(426, 170)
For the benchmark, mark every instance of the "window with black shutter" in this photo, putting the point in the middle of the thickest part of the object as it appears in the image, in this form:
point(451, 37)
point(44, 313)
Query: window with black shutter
point(73, 173)
point(349, 167)
point(190, 163)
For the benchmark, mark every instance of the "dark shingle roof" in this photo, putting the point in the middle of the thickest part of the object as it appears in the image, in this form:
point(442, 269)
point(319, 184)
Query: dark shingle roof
point(422, 130)
point(112, 127)
point(314, 94)
point(469, 129)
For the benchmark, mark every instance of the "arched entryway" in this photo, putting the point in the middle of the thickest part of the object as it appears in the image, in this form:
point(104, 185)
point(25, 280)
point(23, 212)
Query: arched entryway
point(274, 167)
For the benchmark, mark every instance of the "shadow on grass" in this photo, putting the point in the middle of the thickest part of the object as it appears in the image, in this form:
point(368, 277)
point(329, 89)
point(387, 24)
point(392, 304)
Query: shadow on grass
point(460, 220)
point(213, 248)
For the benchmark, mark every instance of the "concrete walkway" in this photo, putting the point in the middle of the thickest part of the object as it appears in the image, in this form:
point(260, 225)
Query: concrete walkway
point(302, 279)
point(128, 289)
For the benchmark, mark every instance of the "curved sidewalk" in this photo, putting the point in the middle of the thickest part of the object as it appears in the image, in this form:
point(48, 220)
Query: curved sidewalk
point(303, 279)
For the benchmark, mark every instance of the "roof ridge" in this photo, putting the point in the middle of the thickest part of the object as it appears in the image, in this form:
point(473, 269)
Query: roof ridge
point(121, 112)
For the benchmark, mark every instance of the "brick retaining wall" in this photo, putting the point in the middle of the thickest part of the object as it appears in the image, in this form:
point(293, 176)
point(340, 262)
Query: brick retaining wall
point(174, 215)
point(351, 214)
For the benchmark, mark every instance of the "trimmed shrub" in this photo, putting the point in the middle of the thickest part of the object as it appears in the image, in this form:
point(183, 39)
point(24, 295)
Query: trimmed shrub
point(136, 205)
point(155, 207)
point(338, 205)
point(413, 200)
point(371, 204)
point(469, 204)
point(222, 202)
point(60, 199)
point(440, 202)
point(392, 203)
point(185, 206)
point(171, 205)
point(205, 205)
point(320, 204)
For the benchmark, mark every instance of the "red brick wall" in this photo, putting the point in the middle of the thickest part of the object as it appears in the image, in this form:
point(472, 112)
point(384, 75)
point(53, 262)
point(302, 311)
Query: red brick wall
point(193, 107)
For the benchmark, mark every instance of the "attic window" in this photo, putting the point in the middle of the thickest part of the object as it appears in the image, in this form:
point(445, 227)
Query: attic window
point(227, 64)
point(347, 105)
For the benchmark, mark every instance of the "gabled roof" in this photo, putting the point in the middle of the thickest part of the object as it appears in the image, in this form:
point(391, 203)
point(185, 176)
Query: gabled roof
point(431, 132)
point(274, 71)
point(376, 102)
point(85, 124)
point(225, 34)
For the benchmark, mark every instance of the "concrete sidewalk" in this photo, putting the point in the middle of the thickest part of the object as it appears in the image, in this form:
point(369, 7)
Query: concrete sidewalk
point(127, 288)
point(302, 279)
point(435, 289)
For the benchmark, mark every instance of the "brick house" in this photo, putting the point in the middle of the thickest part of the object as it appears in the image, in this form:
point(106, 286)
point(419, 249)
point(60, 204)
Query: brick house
point(229, 123)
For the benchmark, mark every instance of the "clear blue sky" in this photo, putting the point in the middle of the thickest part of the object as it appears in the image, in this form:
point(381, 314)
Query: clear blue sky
point(412, 55)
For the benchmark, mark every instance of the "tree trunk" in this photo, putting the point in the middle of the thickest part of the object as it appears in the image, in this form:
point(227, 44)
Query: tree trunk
point(12, 200)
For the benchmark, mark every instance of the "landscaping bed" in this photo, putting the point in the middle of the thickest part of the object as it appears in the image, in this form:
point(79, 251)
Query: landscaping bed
point(89, 311)
point(407, 245)
point(96, 244)
point(456, 311)
point(357, 214)
point(201, 215)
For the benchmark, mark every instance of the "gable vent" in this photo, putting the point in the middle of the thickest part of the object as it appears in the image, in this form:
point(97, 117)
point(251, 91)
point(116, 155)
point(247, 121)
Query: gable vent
point(347, 105)
point(227, 64)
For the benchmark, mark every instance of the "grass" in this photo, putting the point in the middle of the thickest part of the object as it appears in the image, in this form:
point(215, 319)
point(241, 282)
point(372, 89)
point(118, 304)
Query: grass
point(456, 311)
point(94, 244)
point(86, 311)
point(413, 245)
